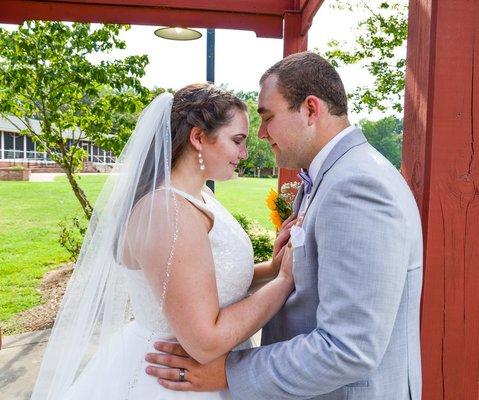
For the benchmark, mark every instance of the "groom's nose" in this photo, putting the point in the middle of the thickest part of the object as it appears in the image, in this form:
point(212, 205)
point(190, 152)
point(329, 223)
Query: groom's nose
point(262, 131)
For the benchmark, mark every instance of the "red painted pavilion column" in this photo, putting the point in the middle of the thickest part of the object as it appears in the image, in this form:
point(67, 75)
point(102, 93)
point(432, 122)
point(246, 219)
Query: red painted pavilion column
point(440, 162)
point(294, 42)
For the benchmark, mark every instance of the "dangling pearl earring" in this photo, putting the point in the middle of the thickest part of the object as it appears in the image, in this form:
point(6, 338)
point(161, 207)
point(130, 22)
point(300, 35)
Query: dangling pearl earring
point(201, 161)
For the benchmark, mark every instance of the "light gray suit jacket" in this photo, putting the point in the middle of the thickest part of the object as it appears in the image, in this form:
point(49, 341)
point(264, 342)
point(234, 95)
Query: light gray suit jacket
point(350, 329)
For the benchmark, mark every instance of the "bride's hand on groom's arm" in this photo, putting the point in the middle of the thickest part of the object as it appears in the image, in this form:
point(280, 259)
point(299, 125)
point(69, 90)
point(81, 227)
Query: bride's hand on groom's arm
point(283, 235)
point(286, 269)
point(281, 240)
point(198, 377)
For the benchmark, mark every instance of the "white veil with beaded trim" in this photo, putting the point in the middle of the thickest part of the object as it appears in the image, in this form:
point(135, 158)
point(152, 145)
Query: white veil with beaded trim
point(96, 304)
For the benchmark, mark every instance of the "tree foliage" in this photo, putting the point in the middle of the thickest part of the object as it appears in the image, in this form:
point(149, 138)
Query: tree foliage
point(386, 136)
point(380, 41)
point(260, 154)
point(46, 74)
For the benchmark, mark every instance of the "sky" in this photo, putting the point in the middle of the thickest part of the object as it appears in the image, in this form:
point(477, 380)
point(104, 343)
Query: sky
point(241, 57)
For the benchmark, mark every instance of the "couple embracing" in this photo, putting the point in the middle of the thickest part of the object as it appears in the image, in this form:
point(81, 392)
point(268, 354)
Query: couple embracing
point(158, 306)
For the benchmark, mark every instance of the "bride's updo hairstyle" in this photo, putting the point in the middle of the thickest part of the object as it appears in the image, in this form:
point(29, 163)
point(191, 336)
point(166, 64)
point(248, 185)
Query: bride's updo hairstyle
point(200, 105)
point(203, 106)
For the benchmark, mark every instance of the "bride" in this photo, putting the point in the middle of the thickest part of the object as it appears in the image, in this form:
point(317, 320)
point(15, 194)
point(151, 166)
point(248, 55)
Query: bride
point(163, 259)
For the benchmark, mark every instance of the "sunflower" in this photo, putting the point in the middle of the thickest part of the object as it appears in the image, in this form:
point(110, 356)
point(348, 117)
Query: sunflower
point(281, 204)
point(271, 199)
point(276, 219)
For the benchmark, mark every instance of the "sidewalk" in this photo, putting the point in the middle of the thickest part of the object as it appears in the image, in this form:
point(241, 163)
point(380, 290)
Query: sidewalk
point(50, 176)
point(20, 359)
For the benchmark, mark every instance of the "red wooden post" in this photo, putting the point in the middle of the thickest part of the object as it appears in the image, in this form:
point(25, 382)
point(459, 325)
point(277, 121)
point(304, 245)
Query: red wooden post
point(440, 163)
point(294, 42)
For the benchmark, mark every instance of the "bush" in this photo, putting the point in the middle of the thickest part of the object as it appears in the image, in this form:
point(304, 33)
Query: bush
point(71, 235)
point(261, 238)
point(244, 221)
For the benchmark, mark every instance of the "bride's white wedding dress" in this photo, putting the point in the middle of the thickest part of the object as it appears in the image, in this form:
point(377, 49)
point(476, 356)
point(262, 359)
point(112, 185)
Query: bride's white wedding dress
point(123, 377)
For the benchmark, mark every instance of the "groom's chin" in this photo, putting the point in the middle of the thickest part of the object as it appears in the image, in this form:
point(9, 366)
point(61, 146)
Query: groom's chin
point(285, 164)
point(280, 162)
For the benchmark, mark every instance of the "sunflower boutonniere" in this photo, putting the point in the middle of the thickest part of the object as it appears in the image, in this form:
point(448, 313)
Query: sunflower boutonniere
point(281, 204)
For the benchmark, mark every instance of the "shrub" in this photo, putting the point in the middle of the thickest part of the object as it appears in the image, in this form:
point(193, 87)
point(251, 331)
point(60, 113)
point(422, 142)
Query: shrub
point(244, 221)
point(261, 238)
point(71, 235)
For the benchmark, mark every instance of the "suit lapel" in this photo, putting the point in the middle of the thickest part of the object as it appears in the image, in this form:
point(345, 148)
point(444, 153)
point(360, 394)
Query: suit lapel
point(298, 199)
point(353, 139)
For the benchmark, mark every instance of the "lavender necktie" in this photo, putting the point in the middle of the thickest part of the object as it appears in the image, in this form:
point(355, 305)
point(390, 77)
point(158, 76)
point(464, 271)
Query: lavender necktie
point(307, 181)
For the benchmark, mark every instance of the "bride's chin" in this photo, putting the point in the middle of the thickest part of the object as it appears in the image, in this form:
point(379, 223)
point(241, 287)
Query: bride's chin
point(224, 177)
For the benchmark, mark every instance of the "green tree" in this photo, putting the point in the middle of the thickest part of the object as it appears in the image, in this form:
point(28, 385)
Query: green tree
point(45, 74)
point(379, 47)
point(244, 95)
point(386, 136)
point(260, 154)
point(247, 95)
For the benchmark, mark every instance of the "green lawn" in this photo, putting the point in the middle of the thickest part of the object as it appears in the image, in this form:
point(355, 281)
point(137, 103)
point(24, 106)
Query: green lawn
point(29, 216)
point(247, 196)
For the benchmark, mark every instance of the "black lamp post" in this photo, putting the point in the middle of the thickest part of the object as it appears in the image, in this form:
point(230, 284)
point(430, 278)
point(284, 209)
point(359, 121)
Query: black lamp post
point(210, 72)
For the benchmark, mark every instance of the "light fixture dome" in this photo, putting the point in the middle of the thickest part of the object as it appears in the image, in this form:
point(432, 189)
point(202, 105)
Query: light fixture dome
point(177, 33)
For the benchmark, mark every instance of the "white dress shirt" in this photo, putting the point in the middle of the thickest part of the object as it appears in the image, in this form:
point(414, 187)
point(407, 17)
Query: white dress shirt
point(318, 161)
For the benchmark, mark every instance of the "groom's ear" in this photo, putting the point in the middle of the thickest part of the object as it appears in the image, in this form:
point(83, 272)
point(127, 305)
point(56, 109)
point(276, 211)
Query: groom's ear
point(314, 108)
point(197, 138)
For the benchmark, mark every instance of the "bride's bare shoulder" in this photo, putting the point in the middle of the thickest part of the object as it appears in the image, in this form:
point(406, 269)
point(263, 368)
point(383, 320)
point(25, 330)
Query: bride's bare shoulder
point(163, 209)
point(156, 219)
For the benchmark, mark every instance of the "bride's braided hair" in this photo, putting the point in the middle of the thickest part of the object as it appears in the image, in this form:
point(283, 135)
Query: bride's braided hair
point(200, 105)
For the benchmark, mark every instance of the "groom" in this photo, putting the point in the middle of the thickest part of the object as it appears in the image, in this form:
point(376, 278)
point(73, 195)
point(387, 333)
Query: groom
point(350, 330)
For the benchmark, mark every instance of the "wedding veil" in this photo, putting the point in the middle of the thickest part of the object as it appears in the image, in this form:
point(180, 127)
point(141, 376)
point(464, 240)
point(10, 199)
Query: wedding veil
point(96, 303)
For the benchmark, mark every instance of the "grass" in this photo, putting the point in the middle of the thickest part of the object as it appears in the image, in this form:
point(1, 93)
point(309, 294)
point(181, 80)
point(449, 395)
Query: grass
point(247, 196)
point(29, 216)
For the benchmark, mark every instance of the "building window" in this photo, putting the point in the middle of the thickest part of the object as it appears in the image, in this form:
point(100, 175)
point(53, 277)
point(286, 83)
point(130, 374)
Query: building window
point(109, 157)
point(31, 147)
point(19, 146)
point(9, 145)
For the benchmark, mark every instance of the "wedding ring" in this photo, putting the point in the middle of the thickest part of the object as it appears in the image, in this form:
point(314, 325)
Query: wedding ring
point(182, 375)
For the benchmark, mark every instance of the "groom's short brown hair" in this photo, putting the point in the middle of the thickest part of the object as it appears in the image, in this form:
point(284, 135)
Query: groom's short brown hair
point(304, 74)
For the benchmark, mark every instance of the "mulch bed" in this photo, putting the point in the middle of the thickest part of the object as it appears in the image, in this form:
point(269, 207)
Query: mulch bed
point(42, 316)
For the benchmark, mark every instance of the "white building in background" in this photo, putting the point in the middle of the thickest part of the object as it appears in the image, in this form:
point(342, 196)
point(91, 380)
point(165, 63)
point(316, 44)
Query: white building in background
point(19, 149)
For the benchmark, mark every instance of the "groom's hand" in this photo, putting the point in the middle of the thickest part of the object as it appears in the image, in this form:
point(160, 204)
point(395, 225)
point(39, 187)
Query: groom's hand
point(198, 378)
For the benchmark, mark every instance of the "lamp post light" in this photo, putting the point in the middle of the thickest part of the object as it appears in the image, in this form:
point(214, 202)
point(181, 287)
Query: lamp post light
point(177, 33)
point(184, 34)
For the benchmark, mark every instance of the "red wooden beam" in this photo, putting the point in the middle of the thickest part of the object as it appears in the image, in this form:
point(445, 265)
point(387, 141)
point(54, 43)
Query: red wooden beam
point(309, 8)
point(17, 11)
point(441, 148)
point(294, 41)
point(269, 7)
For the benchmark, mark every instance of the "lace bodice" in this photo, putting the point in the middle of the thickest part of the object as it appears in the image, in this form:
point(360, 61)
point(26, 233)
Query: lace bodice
point(233, 259)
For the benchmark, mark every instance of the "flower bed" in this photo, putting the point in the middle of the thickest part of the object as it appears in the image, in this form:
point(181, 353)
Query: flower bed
point(14, 174)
